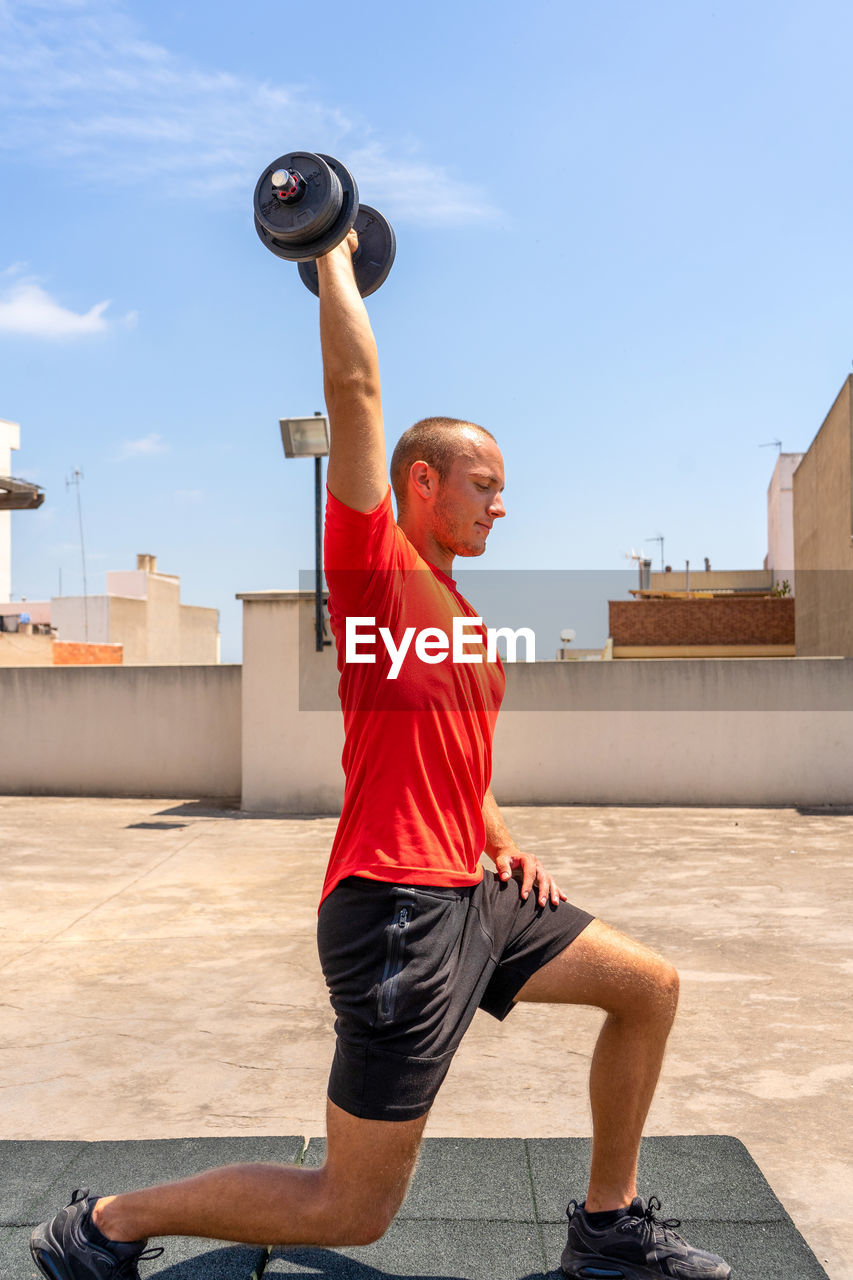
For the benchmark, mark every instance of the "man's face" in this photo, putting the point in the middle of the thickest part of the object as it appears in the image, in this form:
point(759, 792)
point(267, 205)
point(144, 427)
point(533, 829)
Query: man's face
point(469, 499)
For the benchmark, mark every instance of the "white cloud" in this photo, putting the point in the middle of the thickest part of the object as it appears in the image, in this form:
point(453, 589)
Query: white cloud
point(64, 548)
point(414, 190)
point(80, 90)
point(26, 308)
point(146, 447)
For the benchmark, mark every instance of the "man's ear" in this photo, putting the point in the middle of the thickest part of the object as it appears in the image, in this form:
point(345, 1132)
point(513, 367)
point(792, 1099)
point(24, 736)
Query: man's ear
point(424, 480)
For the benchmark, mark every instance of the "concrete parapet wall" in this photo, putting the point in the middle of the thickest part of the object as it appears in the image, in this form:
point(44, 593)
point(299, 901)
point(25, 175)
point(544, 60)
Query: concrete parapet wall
point(682, 732)
point(291, 757)
point(711, 732)
point(751, 731)
point(713, 579)
point(119, 731)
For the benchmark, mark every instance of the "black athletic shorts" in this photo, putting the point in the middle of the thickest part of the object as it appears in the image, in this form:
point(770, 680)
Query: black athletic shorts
point(407, 966)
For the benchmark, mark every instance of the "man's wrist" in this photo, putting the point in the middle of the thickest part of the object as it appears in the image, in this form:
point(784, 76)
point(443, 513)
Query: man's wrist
point(495, 850)
point(337, 260)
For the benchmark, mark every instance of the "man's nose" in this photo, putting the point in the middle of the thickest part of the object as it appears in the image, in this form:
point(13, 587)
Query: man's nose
point(497, 508)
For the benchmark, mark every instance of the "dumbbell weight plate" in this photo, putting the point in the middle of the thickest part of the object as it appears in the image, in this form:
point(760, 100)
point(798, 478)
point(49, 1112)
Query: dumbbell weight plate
point(373, 258)
point(303, 229)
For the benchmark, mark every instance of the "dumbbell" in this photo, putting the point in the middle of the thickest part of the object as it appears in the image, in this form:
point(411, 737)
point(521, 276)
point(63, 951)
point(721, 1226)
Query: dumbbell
point(306, 203)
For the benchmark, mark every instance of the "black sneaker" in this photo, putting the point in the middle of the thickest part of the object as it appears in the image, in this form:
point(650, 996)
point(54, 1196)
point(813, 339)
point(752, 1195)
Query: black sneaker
point(637, 1246)
point(70, 1246)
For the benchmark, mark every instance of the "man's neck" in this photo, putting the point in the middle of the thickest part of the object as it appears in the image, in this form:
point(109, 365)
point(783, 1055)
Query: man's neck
point(427, 547)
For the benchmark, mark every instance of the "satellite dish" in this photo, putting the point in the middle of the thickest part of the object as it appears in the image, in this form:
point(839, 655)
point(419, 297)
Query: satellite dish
point(567, 636)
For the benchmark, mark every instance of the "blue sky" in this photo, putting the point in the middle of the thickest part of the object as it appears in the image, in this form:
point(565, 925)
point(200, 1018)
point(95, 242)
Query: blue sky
point(623, 245)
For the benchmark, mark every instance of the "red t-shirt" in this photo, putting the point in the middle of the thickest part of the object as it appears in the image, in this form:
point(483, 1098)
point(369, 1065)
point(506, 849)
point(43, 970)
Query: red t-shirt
point(418, 749)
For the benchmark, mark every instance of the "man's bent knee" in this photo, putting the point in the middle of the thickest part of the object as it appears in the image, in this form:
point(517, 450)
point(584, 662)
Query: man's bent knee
point(647, 987)
point(371, 1228)
point(669, 985)
point(358, 1221)
point(611, 971)
point(366, 1174)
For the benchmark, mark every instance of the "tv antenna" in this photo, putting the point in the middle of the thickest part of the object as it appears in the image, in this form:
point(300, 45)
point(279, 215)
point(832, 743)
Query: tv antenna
point(772, 444)
point(658, 538)
point(74, 479)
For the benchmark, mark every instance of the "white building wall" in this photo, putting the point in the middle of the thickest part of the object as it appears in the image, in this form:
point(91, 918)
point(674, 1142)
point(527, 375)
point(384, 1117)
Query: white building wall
point(128, 582)
point(780, 518)
point(81, 620)
point(146, 617)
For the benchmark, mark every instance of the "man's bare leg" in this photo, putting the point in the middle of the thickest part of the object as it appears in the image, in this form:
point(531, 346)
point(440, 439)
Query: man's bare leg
point(351, 1199)
point(638, 990)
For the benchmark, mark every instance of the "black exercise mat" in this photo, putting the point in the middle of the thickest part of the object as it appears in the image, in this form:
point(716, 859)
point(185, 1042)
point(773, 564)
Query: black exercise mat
point(478, 1209)
point(468, 1198)
point(37, 1178)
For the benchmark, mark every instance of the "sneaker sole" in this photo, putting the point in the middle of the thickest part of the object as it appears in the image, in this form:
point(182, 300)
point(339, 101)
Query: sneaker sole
point(595, 1271)
point(592, 1268)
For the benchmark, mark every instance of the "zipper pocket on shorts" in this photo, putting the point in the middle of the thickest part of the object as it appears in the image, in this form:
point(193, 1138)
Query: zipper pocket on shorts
point(393, 964)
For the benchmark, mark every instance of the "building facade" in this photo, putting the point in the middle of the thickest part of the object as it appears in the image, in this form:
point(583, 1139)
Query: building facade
point(779, 560)
point(823, 535)
point(141, 611)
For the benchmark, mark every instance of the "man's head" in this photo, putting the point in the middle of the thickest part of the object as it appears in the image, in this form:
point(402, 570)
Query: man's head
point(447, 476)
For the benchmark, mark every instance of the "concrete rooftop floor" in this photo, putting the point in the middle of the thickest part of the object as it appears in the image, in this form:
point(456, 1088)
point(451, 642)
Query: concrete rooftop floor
point(160, 980)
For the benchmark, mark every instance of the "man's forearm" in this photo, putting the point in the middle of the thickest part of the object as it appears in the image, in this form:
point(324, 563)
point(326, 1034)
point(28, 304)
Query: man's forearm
point(346, 338)
point(357, 473)
point(497, 833)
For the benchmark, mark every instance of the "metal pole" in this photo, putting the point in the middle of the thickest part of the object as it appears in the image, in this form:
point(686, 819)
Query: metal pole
point(76, 477)
point(318, 554)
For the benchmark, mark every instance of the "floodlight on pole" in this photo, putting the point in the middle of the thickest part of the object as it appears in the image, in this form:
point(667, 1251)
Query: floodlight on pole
point(309, 438)
point(305, 437)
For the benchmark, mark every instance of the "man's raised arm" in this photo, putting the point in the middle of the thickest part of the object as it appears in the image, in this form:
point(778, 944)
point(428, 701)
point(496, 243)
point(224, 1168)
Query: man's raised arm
point(357, 474)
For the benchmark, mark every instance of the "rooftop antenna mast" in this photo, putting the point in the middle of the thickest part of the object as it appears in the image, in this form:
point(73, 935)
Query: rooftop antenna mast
point(772, 444)
point(74, 479)
point(658, 538)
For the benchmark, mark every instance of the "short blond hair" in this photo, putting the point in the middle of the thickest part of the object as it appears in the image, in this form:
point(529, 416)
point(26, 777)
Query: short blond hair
point(434, 441)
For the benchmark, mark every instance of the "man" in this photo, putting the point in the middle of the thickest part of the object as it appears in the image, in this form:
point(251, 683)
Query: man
point(413, 936)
